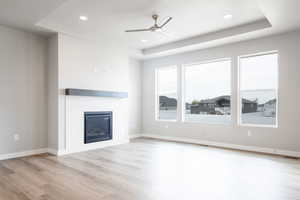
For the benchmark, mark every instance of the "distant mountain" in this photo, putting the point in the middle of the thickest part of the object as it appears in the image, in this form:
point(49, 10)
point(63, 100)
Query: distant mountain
point(167, 102)
point(224, 97)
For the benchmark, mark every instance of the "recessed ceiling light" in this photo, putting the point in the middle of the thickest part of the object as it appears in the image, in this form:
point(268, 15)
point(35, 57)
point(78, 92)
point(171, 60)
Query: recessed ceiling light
point(143, 40)
point(83, 18)
point(228, 16)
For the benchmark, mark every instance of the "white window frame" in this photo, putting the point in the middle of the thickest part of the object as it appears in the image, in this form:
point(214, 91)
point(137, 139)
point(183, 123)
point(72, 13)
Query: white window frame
point(157, 95)
point(239, 106)
point(183, 86)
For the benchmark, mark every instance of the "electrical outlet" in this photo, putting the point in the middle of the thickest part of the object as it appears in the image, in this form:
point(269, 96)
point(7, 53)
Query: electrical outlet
point(249, 133)
point(16, 137)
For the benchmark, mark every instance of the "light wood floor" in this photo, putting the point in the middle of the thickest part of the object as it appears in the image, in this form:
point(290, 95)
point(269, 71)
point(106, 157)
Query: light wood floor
point(151, 170)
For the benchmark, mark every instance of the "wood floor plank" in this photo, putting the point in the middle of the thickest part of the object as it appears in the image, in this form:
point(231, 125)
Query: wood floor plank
point(4, 171)
point(147, 169)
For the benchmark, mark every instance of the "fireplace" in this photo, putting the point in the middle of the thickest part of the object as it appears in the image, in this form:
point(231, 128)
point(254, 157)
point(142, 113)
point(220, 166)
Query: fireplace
point(97, 126)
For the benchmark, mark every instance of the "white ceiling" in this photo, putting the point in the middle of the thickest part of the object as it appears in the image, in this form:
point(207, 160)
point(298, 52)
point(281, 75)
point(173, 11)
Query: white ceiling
point(191, 18)
point(25, 14)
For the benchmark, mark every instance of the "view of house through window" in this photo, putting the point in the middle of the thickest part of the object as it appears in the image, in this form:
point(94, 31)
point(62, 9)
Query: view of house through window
point(208, 92)
point(258, 89)
point(167, 93)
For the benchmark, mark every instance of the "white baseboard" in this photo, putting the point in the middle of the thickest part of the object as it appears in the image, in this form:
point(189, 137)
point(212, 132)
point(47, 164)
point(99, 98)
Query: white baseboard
point(23, 154)
point(169, 138)
point(227, 145)
point(56, 152)
point(53, 151)
point(135, 136)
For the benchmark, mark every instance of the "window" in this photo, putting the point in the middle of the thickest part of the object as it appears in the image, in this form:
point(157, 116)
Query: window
point(207, 88)
point(258, 89)
point(166, 106)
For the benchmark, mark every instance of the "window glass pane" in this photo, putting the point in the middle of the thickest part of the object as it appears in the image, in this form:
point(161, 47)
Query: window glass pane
point(258, 89)
point(208, 92)
point(167, 93)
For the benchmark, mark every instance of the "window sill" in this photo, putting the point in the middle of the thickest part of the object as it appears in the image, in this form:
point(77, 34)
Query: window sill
point(208, 123)
point(166, 120)
point(258, 125)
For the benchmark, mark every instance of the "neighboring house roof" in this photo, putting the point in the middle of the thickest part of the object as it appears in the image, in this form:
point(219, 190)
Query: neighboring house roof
point(272, 101)
point(248, 101)
point(167, 102)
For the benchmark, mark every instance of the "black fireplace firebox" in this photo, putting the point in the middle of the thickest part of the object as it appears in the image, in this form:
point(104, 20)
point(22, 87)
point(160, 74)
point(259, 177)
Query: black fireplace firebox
point(97, 126)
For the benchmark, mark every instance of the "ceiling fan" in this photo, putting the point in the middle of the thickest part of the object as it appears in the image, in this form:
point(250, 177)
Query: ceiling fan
point(155, 27)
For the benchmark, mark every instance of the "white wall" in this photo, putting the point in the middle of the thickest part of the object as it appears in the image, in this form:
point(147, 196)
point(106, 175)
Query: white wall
point(84, 64)
point(34, 71)
point(286, 137)
point(52, 82)
point(135, 97)
point(23, 102)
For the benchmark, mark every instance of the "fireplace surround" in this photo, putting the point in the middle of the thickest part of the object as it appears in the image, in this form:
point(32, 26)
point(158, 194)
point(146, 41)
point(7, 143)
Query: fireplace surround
point(73, 123)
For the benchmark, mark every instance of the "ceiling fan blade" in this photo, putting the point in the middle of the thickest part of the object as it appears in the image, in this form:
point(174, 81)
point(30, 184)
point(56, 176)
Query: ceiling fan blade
point(138, 30)
point(167, 21)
